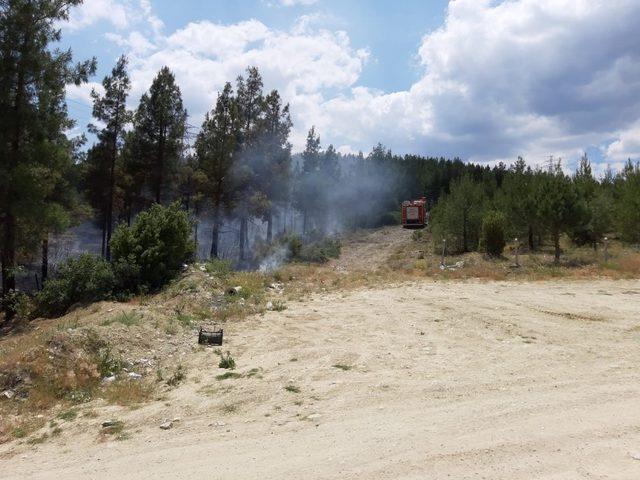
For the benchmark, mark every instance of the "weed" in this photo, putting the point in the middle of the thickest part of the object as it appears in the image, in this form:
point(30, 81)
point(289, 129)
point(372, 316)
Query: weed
point(36, 440)
point(127, 319)
point(68, 415)
point(229, 408)
point(292, 389)
point(278, 306)
point(227, 375)
point(294, 359)
point(227, 361)
point(185, 320)
point(107, 363)
point(218, 268)
point(254, 372)
point(19, 432)
point(127, 392)
point(178, 376)
point(342, 366)
point(171, 328)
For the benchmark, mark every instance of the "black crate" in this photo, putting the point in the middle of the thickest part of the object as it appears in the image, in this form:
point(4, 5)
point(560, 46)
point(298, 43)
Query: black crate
point(210, 337)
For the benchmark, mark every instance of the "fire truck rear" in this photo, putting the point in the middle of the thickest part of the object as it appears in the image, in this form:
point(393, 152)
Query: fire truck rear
point(414, 213)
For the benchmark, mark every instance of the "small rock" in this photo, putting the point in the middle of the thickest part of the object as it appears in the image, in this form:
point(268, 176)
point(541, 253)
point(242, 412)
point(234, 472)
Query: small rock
point(166, 425)
point(8, 394)
point(176, 420)
point(202, 268)
point(134, 376)
point(108, 380)
point(314, 416)
point(234, 290)
point(109, 423)
point(219, 424)
point(269, 305)
point(635, 456)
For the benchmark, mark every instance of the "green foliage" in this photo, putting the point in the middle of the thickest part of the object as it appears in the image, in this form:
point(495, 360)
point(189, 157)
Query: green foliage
point(177, 376)
point(457, 217)
point(83, 279)
point(628, 209)
point(321, 251)
point(219, 268)
point(152, 251)
point(36, 156)
point(227, 361)
point(493, 238)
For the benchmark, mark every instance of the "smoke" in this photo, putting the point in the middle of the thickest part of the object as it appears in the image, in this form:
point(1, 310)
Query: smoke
point(275, 260)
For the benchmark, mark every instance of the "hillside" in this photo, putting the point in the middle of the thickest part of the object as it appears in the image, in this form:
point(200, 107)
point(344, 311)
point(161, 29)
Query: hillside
point(357, 378)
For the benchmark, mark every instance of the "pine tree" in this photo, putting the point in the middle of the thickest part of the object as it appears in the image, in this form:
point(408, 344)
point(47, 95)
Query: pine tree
point(159, 128)
point(275, 173)
point(216, 149)
point(628, 202)
point(33, 76)
point(558, 205)
point(249, 200)
point(307, 190)
point(111, 110)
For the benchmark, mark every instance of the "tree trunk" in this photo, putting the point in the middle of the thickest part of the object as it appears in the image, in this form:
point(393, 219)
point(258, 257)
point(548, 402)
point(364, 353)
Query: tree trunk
point(269, 227)
point(103, 250)
point(160, 167)
point(8, 256)
point(556, 245)
point(304, 223)
point(532, 245)
point(215, 234)
point(464, 233)
point(243, 227)
point(45, 258)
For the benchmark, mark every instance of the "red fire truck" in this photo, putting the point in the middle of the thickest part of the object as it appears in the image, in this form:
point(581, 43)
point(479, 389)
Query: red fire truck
point(414, 213)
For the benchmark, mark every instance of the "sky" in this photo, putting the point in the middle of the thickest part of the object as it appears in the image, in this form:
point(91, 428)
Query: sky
point(482, 80)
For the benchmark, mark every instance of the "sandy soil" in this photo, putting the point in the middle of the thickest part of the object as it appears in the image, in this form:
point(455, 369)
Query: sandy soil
point(446, 380)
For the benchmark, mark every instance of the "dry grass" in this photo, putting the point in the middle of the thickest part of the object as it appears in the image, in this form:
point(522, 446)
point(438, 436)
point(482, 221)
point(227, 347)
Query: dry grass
point(128, 392)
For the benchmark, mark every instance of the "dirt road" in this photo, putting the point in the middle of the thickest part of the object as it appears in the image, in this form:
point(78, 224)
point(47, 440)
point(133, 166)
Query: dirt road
point(419, 381)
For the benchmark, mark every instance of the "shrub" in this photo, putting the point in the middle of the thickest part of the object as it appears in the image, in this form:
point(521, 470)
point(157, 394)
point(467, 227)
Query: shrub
point(83, 279)
point(492, 238)
point(151, 252)
point(219, 268)
point(321, 251)
point(227, 361)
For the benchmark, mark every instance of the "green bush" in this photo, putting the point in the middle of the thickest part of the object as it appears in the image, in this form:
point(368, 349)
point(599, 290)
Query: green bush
point(492, 239)
point(321, 251)
point(152, 251)
point(83, 279)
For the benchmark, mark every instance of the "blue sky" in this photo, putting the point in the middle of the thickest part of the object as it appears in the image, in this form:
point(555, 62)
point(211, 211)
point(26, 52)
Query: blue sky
point(485, 80)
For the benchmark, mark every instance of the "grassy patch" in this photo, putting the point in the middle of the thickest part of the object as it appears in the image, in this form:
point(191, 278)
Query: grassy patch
point(127, 319)
point(342, 366)
point(68, 415)
point(227, 375)
point(127, 392)
point(227, 361)
point(177, 376)
point(292, 389)
point(278, 306)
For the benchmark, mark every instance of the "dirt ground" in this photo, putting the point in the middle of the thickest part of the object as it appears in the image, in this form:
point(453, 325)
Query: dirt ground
point(421, 380)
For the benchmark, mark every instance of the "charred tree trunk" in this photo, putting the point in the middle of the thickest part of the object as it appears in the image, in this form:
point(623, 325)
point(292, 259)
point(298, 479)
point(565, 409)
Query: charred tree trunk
point(556, 246)
point(215, 234)
point(8, 255)
point(532, 246)
point(269, 227)
point(45, 258)
point(243, 227)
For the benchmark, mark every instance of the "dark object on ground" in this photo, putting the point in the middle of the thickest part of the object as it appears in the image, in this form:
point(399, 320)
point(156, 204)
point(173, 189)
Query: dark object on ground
point(210, 337)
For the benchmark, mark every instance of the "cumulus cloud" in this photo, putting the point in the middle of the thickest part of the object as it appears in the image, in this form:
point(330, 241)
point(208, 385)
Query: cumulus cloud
point(499, 78)
point(93, 11)
point(533, 77)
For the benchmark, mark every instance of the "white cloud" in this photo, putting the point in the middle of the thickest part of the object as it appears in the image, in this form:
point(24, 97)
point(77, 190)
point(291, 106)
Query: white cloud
point(626, 146)
point(93, 11)
point(303, 64)
point(500, 79)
